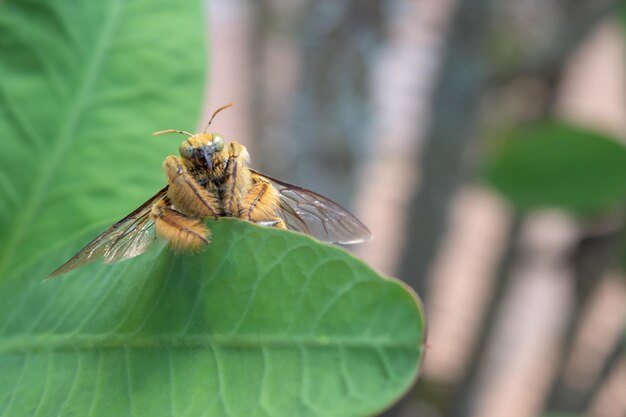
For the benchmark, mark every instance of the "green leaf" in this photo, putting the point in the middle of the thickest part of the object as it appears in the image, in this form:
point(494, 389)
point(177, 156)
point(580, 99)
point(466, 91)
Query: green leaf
point(83, 84)
point(264, 322)
point(553, 164)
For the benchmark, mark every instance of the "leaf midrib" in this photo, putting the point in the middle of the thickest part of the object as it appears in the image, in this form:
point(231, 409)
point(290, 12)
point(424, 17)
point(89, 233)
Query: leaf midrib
point(25, 344)
point(63, 140)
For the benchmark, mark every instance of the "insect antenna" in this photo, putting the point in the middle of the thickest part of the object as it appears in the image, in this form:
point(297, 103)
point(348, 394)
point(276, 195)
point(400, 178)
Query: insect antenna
point(215, 114)
point(162, 132)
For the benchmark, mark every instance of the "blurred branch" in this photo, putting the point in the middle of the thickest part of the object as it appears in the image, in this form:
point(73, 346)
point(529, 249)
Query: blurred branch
point(610, 365)
point(592, 258)
point(452, 131)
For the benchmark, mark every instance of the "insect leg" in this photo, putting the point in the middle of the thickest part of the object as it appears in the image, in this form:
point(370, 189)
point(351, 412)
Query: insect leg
point(260, 205)
point(181, 231)
point(237, 179)
point(186, 194)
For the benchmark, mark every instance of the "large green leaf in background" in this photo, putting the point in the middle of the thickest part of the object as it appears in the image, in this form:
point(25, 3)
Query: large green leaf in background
point(82, 86)
point(264, 322)
point(553, 164)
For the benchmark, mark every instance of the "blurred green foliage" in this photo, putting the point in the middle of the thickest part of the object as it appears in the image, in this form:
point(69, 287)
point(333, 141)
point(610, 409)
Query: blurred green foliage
point(553, 164)
point(264, 322)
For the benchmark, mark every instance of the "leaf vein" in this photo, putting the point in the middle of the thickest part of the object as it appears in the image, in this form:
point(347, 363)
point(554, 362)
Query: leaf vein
point(73, 386)
point(129, 381)
point(334, 300)
point(94, 401)
point(44, 392)
point(170, 375)
point(65, 137)
point(18, 384)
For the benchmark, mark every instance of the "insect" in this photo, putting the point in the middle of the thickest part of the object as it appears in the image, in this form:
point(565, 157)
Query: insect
point(211, 179)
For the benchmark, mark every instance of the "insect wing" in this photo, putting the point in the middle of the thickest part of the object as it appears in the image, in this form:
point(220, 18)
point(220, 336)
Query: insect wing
point(127, 238)
point(311, 213)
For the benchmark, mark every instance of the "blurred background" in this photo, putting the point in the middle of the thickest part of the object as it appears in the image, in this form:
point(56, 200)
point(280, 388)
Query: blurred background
point(482, 142)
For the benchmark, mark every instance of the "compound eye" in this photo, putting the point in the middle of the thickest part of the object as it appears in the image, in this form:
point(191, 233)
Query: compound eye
point(185, 149)
point(218, 142)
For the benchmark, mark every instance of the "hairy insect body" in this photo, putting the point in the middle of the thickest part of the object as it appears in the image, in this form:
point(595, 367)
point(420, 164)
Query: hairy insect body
point(186, 192)
point(181, 231)
point(210, 180)
point(237, 182)
point(261, 203)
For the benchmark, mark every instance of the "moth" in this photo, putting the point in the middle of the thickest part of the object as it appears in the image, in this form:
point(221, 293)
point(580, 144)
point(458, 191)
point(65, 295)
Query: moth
point(211, 179)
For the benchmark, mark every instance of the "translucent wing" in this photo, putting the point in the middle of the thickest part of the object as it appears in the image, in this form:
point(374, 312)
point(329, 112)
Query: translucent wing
point(127, 238)
point(313, 214)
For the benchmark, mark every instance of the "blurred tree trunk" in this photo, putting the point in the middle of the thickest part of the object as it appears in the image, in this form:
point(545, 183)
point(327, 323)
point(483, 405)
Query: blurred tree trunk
point(464, 396)
point(449, 138)
point(455, 113)
point(549, 68)
point(595, 253)
point(339, 44)
point(260, 35)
